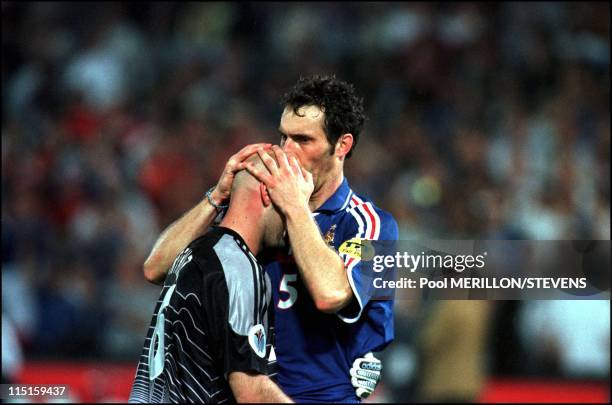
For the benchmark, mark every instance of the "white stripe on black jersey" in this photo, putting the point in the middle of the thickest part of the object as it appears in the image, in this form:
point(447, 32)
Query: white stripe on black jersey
point(214, 295)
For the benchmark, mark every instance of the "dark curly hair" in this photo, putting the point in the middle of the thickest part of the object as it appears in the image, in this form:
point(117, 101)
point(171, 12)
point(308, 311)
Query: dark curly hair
point(343, 109)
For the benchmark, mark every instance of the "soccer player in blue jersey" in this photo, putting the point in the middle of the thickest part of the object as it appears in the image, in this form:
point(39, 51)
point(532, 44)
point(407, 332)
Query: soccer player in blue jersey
point(325, 318)
point(327, 326)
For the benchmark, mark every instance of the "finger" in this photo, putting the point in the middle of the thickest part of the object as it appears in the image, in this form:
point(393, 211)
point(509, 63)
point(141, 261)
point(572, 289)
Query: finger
point(248, 150)
point(357, 382)
point(365, 385)
point(363, 393)
point(281, 157)
point(365, 375)
point(373, 364)
point(295, 166)
point(260, 175)
point(369, 364)
point(233, 168)
point(307, 175)
point(368, 375)
point(268, 161)
point(240, 166)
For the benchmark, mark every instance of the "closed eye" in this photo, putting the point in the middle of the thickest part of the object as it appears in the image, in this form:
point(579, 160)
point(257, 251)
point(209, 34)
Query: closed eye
point(299, 138)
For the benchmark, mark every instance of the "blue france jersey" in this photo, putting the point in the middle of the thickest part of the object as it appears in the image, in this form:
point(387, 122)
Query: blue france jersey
point(315, 350)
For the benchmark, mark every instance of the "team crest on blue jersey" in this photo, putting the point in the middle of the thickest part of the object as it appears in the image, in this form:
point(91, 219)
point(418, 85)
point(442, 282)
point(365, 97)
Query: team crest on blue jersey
point(257, 340)
point(329, 235)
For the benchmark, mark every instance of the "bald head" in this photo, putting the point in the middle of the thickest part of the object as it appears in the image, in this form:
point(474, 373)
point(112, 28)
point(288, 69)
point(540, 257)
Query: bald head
point(247, 213)
point(244, 179)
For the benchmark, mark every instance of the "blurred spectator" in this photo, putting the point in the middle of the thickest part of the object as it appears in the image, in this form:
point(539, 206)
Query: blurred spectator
point(123, 336)
point(70, 314)
point(564, 341)
point(12, 356)
point(452, 345)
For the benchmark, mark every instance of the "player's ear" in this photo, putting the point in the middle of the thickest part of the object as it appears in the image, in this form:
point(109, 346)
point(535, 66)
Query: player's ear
point(265, 197)
point(344, 145)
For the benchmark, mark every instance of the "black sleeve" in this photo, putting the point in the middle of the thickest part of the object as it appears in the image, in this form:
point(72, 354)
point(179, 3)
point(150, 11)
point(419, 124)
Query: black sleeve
point(233, 350)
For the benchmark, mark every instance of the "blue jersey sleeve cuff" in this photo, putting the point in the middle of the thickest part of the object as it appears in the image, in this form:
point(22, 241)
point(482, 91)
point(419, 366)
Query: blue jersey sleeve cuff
point(347, 314)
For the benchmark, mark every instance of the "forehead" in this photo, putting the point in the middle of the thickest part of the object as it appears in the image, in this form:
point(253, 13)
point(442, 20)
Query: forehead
point(308, 120)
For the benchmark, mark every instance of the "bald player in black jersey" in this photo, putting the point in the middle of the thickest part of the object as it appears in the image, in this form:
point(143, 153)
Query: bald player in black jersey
point(211, 335)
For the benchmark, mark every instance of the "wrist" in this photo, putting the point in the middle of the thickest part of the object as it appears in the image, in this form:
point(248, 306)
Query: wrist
point(216, 202)
point(296, 212)
point(217, 197)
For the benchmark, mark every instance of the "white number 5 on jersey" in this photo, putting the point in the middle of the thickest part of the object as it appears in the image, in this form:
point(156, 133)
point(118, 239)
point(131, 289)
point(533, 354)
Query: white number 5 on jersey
point(285, 287)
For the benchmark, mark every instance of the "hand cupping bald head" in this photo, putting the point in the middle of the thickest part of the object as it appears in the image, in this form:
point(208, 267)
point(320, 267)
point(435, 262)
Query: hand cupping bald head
point(246, 180)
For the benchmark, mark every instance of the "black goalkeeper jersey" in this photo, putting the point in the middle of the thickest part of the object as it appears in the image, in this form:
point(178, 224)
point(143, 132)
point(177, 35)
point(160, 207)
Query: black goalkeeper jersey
point(211, 319)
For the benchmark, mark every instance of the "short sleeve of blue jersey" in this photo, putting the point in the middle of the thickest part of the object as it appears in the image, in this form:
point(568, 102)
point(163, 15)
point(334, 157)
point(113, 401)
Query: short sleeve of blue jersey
point(364, 222)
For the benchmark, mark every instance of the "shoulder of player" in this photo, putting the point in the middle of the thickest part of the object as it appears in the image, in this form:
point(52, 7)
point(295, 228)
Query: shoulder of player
point(204, 258)
point(204, 246)
point(364, 206)
point(363, 219)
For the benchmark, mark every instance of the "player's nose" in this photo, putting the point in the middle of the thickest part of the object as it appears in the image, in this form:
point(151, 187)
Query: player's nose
point(288, 146)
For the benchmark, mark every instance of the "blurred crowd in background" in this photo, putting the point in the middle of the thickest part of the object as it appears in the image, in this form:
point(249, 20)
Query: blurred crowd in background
point(486, 121)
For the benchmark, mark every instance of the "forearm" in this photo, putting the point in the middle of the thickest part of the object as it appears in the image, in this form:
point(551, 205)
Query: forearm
point(248, 388)
point(321, 268)
point(268, 391)
point(175, 238)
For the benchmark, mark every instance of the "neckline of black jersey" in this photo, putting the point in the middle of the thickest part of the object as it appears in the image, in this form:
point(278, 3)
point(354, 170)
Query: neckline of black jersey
point(234, 234)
